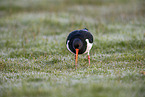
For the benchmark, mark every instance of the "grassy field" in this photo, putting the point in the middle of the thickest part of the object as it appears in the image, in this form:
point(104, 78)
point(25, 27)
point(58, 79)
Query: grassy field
point(34, 60)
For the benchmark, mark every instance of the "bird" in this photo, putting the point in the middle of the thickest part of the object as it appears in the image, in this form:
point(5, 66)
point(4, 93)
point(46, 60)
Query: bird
point(80, 42)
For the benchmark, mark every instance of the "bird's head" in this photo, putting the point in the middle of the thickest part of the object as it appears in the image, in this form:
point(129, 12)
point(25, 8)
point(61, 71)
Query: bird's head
point(77, 43)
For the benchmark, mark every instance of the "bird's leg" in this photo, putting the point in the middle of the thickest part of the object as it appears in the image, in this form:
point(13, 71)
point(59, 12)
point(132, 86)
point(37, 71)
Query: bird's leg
point(89, 58)
point(76, 58)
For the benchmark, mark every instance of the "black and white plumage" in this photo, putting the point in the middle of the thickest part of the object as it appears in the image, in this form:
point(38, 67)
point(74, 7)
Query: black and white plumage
point(80, 42)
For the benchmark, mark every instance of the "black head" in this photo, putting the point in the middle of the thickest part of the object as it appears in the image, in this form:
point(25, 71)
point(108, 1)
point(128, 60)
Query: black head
point(77, 43)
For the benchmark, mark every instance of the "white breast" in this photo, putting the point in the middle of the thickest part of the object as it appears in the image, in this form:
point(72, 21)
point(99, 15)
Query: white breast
point(89, 46)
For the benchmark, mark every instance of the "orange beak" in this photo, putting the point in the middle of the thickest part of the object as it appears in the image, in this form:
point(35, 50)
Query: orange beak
point(76, 57)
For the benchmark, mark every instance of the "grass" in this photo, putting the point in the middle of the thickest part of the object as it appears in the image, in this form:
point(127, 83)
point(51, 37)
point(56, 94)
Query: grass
point(35, 62)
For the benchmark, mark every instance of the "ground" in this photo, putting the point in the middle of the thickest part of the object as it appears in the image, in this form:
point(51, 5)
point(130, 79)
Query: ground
point(34, 60)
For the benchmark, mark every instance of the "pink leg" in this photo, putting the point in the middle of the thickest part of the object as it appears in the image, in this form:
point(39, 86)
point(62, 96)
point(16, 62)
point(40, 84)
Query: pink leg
point(89, 59)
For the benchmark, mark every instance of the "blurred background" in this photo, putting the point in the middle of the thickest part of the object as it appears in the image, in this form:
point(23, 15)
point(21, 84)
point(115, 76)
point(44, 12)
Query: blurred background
point(23, 21)
point(71, 14)
point(54, 17)
point(34, 59)
point(70, 6)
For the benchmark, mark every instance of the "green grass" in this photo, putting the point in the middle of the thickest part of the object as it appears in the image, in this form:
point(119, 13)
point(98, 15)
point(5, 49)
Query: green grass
point(34, 60)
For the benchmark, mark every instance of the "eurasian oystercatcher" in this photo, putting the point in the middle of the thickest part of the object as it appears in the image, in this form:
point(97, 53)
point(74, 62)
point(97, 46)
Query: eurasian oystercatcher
point(79, 42)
